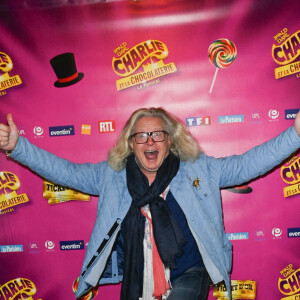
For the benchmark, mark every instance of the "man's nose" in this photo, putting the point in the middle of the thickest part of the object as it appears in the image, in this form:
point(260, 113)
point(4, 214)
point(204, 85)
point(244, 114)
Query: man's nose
point(150, 140)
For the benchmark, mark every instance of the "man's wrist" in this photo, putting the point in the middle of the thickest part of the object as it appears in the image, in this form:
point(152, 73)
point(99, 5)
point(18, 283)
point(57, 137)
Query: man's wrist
point(8, 152)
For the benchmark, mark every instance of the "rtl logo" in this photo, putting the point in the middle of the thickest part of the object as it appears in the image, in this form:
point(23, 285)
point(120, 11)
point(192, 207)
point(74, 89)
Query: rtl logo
point(107, 126)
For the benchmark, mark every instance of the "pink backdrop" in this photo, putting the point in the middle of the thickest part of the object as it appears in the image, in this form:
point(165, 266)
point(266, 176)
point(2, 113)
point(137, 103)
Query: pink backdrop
point(31, 36)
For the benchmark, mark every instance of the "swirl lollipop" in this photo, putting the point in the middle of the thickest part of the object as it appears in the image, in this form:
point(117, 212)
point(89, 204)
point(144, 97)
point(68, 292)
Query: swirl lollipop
point(221, 53)
point(92, 293)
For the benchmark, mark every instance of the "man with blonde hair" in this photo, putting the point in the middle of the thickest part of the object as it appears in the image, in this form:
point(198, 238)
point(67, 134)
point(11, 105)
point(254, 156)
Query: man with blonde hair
point(159, 227)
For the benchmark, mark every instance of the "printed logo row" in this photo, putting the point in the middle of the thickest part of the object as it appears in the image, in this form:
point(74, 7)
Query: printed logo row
point(103, 127)
point(34, 247)
point(109, 125)
point(255, 117)
point(259, 235)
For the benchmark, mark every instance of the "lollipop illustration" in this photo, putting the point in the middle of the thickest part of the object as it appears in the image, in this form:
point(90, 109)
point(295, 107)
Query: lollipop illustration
point(221, 53)
point(91, 295)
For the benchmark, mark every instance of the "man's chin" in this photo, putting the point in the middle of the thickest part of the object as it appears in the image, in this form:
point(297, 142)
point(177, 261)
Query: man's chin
point(151, 169)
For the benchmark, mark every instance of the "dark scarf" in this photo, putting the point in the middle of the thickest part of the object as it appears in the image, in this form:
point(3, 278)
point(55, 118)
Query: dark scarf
point(168, 236)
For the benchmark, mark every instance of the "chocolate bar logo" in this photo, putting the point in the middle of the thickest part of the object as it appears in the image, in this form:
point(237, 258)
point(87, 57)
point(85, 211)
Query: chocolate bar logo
point(7, 81)
point(286, 53)
point(148, 54)
point(9, 198)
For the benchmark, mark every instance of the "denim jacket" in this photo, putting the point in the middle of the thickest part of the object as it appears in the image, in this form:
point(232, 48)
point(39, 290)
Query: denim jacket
point(196, 187)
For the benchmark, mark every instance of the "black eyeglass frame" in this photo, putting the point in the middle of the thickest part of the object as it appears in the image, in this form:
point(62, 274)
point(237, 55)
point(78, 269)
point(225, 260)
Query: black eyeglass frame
point(149, 135)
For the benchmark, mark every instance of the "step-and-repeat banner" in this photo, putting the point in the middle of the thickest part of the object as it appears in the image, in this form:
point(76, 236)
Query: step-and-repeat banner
point(72, 72)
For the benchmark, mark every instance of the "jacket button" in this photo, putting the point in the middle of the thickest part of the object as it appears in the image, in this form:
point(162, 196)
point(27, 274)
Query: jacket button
point(107, 237)
point(205, 195)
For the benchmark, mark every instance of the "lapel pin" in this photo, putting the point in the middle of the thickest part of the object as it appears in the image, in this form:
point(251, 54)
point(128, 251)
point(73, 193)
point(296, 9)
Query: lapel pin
point(196, 183)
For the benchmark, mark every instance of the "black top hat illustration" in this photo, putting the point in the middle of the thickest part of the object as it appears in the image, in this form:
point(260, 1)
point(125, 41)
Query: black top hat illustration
point(65, 69)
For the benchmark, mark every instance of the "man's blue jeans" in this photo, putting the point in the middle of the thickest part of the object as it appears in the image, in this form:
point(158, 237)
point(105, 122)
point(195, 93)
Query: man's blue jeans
point(193, 284)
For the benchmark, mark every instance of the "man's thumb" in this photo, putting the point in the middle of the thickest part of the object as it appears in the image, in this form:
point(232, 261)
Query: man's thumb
point(10, 120)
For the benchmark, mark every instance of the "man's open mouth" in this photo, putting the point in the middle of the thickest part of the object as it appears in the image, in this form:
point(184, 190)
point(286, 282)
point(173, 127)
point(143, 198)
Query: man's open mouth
point(151, 154)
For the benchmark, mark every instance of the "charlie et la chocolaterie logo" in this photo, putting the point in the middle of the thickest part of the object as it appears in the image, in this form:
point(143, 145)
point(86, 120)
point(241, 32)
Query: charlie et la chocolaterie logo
point(19, 288)
point(289, 283)
point(287, 53)
point(148, 54)
point(7, 81)
point(290, 174)
point(9, 198)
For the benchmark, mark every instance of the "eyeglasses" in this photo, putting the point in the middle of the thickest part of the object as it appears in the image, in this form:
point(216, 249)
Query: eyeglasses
point(142, 137)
